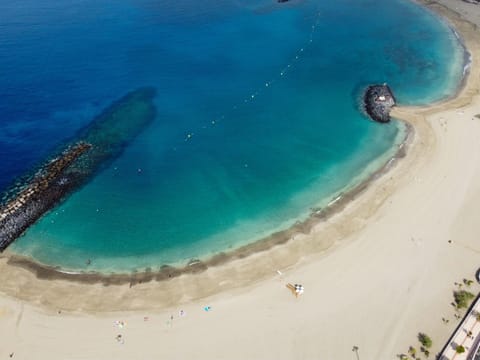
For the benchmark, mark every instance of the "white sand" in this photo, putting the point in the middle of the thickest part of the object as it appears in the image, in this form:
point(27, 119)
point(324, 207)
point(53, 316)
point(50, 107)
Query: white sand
point(389, 274)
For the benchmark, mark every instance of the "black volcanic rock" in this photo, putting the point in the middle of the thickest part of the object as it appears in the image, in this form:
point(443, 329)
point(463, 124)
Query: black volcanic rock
point(378, 101)
point(94, 148)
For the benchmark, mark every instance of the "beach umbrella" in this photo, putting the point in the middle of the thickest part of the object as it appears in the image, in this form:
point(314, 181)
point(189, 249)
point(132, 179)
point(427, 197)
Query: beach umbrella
point(299, 289)
point(296, 289)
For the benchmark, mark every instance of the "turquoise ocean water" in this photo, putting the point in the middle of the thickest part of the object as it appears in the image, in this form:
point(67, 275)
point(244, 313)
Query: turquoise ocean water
point(258, 118)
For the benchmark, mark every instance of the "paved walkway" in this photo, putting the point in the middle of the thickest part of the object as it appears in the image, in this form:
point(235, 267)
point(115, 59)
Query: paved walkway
point(467, 334)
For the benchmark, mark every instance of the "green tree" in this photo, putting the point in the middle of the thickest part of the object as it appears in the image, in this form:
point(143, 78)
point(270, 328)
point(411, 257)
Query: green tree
point(460, 349)
point(462, 298)
point(425, 340)
point(412, 351)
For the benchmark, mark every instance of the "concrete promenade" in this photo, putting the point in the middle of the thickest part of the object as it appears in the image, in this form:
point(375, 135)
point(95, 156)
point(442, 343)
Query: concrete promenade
point(467, 334)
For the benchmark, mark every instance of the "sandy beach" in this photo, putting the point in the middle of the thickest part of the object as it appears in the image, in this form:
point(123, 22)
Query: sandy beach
point(375, 274)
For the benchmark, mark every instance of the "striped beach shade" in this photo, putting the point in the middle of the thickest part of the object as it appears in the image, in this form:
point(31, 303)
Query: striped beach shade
point(299, 289)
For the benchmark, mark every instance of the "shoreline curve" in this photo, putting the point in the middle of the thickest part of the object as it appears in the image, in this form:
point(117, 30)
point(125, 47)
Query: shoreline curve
point(19, 274)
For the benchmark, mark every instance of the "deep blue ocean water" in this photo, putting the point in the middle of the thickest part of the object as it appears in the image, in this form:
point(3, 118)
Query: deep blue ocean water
point(257, 120)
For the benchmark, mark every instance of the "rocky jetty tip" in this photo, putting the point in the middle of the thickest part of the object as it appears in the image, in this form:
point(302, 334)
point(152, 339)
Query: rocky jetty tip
point(378, 101)
point(45, 189)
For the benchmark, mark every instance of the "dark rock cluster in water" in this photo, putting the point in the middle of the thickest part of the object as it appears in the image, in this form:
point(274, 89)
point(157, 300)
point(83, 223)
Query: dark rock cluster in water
point(94, 147)
point(378, 101)
point(49, 185)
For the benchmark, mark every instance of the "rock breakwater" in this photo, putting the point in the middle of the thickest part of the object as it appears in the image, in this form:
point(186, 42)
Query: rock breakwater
point(92, 149)
point(49, 185)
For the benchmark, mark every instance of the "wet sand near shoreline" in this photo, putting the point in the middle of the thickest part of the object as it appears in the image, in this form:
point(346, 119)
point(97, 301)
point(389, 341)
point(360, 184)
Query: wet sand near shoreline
point(296, 238)
point(317, 216)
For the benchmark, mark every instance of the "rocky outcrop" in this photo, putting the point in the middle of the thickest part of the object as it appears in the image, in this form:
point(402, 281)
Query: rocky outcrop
point(378, 101)
point(94, 148)
point(49, 185)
